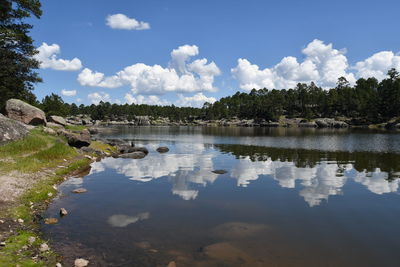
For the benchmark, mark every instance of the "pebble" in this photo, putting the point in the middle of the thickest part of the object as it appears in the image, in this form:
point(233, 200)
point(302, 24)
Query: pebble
point(50, 220)
point(20, 221)
point(44, 247)
point(63, 212)
point(31, 240)
point(81, 263)
point(79, 190)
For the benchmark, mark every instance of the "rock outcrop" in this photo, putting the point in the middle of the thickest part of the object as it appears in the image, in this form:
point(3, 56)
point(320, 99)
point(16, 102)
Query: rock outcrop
point(330, 123)
point(58, 120)
point(76, 139)
point(19, 110)
point(11, 130)
point(142, 120)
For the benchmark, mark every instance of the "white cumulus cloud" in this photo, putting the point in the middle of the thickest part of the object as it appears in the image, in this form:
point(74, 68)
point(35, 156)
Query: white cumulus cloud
point(123, 22)
point(377, 65)
point(196, 100)
point(68, 92)
point(180, 76)
point(322, 64)
point(47, 57)
point(96, 97)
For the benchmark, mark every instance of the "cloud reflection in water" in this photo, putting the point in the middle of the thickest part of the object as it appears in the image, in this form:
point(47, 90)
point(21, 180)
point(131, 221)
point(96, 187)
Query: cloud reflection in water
point(194, 165)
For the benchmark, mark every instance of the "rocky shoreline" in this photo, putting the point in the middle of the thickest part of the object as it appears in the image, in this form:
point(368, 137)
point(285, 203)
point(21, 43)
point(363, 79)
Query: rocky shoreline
point(235, 122)
point(25, 195)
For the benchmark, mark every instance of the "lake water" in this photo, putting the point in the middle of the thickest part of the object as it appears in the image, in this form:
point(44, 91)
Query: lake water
point(290, 197)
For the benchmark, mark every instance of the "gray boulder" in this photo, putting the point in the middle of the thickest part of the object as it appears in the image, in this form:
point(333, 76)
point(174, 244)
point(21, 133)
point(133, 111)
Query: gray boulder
point(58, 120)
point(133, 155)
point(78, 140)
point(140, 149)
point(19, 110)
point(322, 123)
point(142, 120)
point(331, 123)
point(11, 130)
point(54, 125)
point(126, 149)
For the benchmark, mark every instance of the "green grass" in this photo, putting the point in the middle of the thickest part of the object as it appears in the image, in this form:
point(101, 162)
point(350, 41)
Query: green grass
point(36, 151)
point(37, 196)
point(39, 192)
point(75, 127)
point(102, 147)
point(35, 141)
point(19, 251)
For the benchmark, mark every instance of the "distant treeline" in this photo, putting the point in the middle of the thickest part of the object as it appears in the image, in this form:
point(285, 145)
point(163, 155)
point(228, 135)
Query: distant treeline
point(368, 99)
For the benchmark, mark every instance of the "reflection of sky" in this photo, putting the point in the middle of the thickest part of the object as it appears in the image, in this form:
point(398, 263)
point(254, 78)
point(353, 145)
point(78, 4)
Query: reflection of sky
point(192, 165)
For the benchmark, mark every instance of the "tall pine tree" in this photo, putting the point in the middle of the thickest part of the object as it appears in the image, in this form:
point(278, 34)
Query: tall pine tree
point(17, 65)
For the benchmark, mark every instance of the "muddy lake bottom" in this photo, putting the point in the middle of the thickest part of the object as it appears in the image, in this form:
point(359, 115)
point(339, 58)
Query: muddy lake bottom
point(290, 197)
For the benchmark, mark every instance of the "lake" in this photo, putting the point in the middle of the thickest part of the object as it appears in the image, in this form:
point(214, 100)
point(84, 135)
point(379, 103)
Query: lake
point(290, 197)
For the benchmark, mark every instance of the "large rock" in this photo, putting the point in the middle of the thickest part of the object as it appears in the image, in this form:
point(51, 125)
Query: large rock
point(140, 149)
point(19, 110)
point(78, 140)
point(142, 120)
point(331, 123)
point(58, 120)
point(11, 130)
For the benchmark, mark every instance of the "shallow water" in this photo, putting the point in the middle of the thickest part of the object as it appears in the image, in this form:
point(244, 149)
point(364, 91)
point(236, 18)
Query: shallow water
point(290, 197)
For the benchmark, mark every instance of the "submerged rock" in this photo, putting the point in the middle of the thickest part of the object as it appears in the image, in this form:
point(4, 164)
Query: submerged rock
point(219, 171)
point(230, 254)
point(50, 220)
point(11, 130)
point(79, 191)
point(133, 155)
point(19, 110)
point(162, 149)
point(239, 230)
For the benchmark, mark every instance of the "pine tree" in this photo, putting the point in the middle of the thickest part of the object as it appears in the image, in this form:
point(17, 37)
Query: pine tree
point(17, 65)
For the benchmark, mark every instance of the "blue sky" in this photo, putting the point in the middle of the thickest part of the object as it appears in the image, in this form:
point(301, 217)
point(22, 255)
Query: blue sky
point(279, 43)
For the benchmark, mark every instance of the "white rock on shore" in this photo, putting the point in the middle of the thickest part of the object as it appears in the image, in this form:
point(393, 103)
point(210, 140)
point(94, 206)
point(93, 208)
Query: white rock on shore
point(81, 263)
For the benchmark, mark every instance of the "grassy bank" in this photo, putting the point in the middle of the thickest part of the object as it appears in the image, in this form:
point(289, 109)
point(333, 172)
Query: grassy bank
point(45, 160)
